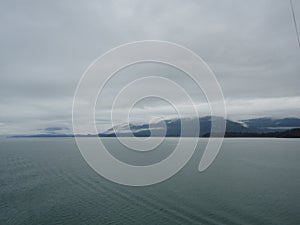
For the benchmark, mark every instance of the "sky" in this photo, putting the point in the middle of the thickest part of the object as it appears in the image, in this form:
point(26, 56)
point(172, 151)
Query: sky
point(47, 45)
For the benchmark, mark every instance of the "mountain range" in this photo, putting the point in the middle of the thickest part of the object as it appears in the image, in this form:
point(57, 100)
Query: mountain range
point(252, 127)
point(258, 127)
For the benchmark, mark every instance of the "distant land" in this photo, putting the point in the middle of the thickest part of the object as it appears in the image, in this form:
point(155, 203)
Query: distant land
point(292, 133)
point(258, 127)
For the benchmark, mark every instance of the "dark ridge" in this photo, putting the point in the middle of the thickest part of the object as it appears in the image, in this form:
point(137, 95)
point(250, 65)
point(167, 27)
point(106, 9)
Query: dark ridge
point(292, 133)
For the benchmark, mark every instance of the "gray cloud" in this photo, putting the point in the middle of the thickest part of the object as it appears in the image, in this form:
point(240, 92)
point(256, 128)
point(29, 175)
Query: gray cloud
point(47, 45)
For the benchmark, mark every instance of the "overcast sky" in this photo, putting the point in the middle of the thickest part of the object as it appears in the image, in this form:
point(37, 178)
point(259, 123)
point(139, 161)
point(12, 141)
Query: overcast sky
point(47, 45)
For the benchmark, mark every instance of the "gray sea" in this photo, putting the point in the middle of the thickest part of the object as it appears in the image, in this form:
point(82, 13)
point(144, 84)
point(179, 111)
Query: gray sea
point(252, 181)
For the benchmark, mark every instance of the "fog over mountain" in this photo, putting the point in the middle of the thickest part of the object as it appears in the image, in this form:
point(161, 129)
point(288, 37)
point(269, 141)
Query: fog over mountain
point(46, 46)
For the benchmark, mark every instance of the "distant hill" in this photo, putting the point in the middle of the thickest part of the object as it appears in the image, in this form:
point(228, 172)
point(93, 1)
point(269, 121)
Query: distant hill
point(174, 128)
point(253, 127)
point(292, 133)
point(259, 127)
point(264, 125)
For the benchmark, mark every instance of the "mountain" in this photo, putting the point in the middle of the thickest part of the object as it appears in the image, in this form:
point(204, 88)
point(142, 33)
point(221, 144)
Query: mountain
point(264, 125)
point(258, 127)
point(173, 128)
point(292, 133)
point(251, 127)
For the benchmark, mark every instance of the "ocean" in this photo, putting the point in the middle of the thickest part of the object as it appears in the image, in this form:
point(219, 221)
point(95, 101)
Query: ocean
point(252, 181)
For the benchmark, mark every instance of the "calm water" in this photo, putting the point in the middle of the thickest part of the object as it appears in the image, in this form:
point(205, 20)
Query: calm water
point(252, 181)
